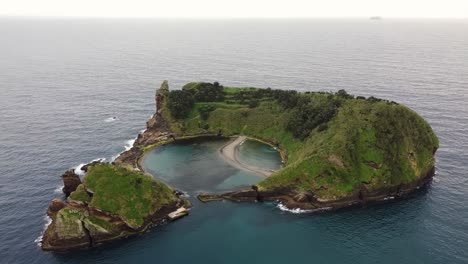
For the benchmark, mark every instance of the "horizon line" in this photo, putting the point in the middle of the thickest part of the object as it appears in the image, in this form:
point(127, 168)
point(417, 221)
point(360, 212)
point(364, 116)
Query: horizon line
point(227, 17)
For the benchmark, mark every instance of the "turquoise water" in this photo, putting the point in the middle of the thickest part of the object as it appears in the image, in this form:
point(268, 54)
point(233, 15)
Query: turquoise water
point(195, 165)
point(257, 154)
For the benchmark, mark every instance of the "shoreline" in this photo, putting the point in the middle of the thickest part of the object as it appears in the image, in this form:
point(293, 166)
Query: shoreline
point(230, 151)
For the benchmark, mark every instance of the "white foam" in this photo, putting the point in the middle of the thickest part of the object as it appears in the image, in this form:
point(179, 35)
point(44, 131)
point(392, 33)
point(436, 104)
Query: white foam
point(58, 189)
point(110, 119)
point(48, 221)
point(128, 145)
point(115, 157)
point(283, 207)
point(389, 198)
point(78, 169)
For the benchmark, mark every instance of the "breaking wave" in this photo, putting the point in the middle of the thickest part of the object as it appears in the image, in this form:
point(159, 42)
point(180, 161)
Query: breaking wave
point(48, 221)
point(283, 207)
point(78, 169)
point(110, 119)
point(128, 145)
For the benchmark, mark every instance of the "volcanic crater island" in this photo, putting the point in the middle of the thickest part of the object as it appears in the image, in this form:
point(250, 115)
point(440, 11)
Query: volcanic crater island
point(337, 151)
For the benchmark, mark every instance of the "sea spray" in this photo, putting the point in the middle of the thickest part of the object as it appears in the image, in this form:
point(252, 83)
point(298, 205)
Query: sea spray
point(59, 189)
point(283, 207)
point(79, 169)
point(48, 221)
point(128, 145)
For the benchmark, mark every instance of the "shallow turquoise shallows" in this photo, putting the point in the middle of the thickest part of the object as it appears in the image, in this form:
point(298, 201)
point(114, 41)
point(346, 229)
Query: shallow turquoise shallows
point(195, 165)
point(257, 154)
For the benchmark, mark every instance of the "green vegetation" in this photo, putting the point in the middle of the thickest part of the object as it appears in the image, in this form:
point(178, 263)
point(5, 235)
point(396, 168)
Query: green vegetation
point(68, 223)
point(205, 110)
point(127, 193)
point(180, 102)
point(80, 195)
point(99, 225)
point(334, 141)
point(205, 92)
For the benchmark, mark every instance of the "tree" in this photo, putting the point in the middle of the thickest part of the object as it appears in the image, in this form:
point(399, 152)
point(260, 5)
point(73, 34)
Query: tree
point(205, 111)
point(343, 94)
point(179, 103)
point(253, 103)
point(309, 114)
point(206, 92)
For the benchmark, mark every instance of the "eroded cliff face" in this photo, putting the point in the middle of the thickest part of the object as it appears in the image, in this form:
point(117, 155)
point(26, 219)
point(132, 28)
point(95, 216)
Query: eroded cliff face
point(308, 200)
point(70, 182)
point(66, 230)
point(157, 130)
point(78, 225)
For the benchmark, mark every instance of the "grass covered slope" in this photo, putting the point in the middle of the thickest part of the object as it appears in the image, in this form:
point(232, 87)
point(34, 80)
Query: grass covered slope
point(112, 202)
point(375, 144)
point(130, 194)
point(337, 145)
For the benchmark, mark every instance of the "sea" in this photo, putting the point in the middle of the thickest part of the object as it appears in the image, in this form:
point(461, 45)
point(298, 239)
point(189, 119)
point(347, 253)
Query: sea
point(74, 90)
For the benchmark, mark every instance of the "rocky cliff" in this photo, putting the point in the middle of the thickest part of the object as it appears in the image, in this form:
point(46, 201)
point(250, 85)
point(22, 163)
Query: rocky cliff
point(112, 202)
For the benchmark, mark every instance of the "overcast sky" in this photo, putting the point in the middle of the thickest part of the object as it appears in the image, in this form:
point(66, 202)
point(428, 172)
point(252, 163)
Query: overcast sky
point(237, 8)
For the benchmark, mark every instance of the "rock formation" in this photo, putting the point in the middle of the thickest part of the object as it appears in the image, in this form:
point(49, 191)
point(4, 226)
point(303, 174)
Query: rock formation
point(70, 182)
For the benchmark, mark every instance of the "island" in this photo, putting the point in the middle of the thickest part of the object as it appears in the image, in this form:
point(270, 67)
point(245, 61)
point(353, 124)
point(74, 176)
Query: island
point(112, 202)
point(338, 151)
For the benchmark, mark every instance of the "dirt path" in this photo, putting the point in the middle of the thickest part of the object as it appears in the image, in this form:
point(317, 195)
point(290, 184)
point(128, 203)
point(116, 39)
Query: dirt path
point(230, 152)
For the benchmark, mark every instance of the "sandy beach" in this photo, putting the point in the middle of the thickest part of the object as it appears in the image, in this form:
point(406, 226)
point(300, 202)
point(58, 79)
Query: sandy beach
point(229, 152)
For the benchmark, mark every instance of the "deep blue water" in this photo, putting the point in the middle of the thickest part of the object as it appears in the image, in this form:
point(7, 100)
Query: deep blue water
point(61, 79)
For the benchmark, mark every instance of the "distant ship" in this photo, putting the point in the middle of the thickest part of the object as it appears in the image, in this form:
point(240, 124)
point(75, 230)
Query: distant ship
point(375, 18)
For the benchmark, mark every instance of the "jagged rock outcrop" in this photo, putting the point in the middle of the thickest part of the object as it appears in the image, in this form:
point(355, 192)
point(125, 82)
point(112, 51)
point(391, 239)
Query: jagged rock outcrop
point(66, 230)
point(309, 201)
point(70, 182)
point(83, 221)
point(55, 206)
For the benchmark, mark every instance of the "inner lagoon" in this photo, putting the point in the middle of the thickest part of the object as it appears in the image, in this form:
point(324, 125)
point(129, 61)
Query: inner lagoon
point(195, 165)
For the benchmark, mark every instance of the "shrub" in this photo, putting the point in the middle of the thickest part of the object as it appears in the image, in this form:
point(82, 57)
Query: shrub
point(205, 92)
point(205, 110)
point(253, 103)
point(309, 114)
point(343, 94)
point(179, 103)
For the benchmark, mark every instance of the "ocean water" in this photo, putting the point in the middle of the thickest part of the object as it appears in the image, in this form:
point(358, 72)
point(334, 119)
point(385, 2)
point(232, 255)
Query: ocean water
point(62, 81)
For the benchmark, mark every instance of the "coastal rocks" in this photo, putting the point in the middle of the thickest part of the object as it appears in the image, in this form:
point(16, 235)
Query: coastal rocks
point(179, 213)
point(129, 158)
point(55, 206)
point(66, 231)
point(138, 202)
point(307, 200)
point(94, 162)
point(247, 195)
point(156, 127)
point(70, 182)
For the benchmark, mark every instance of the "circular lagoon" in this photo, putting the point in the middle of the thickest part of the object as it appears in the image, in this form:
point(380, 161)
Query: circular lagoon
point(196, 165)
